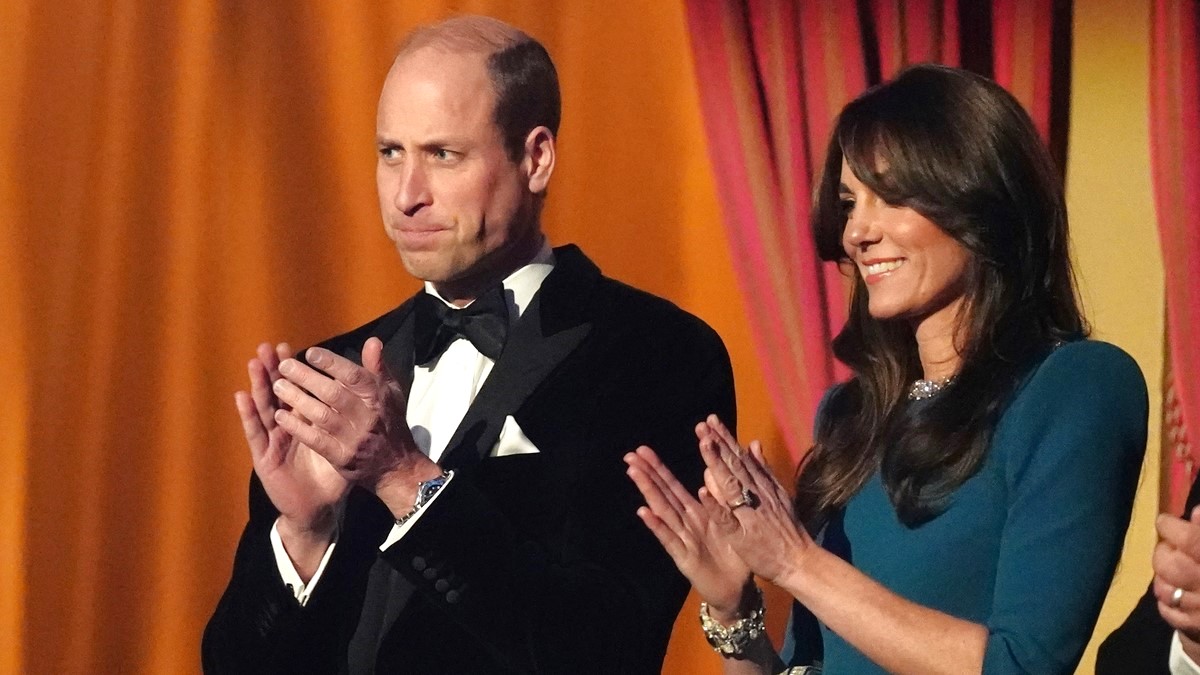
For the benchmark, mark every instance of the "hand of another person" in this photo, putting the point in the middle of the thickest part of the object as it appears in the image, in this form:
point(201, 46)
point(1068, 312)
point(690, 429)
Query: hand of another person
point(355, 417)
point(1176, 565)
point(683, 528)
point(750, 510)
point(300, 483)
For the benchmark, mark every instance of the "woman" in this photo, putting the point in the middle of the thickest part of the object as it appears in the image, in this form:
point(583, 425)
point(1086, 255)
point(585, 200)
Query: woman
point(963, 506)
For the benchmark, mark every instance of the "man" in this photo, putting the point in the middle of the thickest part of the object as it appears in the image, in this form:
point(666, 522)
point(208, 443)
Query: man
point(442, 490)
point(1162, 633)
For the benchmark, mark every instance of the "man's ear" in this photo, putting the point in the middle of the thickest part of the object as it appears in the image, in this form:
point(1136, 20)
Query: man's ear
point(539, 158)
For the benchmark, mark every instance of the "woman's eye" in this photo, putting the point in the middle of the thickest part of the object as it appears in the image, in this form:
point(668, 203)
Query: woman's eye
point(845, 206)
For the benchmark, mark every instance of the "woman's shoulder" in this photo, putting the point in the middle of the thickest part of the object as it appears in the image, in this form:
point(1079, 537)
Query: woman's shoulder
point(1082, 379)
point(1084, 364)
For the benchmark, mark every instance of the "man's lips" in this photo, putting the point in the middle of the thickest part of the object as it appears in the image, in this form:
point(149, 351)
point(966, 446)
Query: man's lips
point(415, 235)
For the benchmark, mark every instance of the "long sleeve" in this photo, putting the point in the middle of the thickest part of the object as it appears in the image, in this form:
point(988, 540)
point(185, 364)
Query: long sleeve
point(260, 626)
point(1074, 439)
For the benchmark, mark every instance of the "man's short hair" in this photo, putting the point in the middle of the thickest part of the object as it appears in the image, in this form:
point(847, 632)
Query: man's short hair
point(522, 74)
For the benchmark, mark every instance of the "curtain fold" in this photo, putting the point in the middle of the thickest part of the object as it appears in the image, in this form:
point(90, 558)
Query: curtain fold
point(14, 357)
point(1174, 147)
point(772, 75)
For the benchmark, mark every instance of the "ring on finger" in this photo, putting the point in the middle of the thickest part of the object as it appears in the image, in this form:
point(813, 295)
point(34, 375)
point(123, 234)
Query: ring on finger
point(747, 498)
point(1176, 598)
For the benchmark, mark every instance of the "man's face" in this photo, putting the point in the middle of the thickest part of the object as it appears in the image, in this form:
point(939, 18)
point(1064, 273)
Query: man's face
point(460, 212)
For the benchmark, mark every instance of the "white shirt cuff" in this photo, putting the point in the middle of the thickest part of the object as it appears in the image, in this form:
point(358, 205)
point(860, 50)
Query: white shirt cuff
point(1180, 663)
point(401, 529)
point(287, 570)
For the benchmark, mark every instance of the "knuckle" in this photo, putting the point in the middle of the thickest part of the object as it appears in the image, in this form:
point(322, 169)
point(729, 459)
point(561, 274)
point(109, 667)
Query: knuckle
point(324, 417)
point(355, 377)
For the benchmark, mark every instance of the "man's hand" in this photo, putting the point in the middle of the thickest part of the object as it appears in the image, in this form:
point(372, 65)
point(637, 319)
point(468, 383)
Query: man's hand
point(1176, 565)
point(354, 416)
point(300, 483)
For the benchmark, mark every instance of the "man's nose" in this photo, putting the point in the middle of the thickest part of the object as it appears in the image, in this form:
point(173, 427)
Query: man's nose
point(412, 192)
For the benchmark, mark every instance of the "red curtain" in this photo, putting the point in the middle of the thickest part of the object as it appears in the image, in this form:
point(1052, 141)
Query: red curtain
point(1174, 147)
point(772, 76)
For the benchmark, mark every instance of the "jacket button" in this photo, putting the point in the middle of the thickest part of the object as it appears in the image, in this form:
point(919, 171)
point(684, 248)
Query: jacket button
point(418, 563)
point(452, 597)
point(441, 585)
point(430, 573)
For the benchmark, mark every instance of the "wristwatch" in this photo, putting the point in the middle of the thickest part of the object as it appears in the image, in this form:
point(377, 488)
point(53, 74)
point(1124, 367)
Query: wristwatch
point(426, 490)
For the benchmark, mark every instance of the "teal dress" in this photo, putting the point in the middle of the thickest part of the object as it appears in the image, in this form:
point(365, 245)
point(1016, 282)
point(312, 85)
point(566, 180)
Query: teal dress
point(1026, 547)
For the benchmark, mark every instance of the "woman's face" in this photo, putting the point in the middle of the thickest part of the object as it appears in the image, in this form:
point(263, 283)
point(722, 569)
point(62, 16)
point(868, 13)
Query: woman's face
point(913, 270)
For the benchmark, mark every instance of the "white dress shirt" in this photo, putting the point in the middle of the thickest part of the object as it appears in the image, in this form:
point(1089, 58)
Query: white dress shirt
point(441, 393)
point(1179, 661)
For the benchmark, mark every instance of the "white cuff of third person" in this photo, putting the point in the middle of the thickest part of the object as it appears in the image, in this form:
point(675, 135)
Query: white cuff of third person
point(400, 529)
point(1180, 663)
point(291, 578)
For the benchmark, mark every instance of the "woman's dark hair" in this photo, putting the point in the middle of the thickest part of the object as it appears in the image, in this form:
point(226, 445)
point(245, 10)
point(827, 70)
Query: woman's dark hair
point(961, 151)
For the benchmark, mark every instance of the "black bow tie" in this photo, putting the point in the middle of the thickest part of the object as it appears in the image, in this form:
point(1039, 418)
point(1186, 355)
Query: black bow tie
point(483, 322)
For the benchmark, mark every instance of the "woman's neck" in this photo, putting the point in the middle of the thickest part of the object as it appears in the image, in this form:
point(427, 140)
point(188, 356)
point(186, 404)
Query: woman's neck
point(937, 338)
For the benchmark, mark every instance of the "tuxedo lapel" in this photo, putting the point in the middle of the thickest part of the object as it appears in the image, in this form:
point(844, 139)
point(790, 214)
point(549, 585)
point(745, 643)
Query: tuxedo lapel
point(398, 351)
point(550, 328)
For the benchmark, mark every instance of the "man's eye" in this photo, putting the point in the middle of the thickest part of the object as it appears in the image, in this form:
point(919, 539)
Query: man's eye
point(442, 154)
point(389, 152)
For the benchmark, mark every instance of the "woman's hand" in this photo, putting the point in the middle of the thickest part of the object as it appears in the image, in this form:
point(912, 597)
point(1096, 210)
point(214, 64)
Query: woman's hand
point(749, 510)
point(684, 529)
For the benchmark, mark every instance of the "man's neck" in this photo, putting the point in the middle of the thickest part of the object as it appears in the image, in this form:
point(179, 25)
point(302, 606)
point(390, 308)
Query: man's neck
point(462, 292)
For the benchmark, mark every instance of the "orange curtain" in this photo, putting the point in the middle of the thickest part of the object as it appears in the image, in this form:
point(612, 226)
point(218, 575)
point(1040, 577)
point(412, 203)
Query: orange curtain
point(182, 179)
point(1174, 146)
point(773, 75)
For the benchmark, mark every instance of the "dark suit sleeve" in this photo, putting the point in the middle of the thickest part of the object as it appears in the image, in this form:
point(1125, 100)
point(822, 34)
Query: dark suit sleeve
point(259, 627)
point(1143, 643)
point(599, 595)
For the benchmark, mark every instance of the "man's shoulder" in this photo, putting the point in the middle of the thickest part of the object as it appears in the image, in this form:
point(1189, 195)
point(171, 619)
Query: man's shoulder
point(620, 303)
point(629, 304)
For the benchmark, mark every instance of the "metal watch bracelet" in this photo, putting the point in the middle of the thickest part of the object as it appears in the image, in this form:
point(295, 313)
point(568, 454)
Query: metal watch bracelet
point(733, 640)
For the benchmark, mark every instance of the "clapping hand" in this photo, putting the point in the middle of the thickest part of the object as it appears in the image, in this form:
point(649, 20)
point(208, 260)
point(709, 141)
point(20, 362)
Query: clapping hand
point(750, 511)
point(302, 485)
point(1176, 565)
point(354, 416)
point(684, 528)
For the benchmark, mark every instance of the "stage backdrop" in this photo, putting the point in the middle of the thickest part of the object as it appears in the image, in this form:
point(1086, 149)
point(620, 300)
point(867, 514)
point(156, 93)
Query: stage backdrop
point(180, 180)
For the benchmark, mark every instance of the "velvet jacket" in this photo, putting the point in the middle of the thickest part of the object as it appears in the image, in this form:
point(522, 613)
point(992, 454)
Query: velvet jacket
point(529, 563)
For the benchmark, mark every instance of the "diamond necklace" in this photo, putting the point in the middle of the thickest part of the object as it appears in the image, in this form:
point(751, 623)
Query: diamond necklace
point(923, 389)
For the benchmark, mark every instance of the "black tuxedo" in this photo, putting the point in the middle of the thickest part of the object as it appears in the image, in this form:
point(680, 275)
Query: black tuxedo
point(531, 563)
point(1143, 643)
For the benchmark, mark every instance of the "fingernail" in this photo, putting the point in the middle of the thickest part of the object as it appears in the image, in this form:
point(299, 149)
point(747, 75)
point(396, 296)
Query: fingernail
point(278, 386)
point(316, 356)
point(287, 365)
